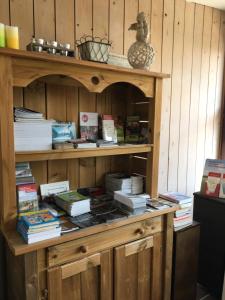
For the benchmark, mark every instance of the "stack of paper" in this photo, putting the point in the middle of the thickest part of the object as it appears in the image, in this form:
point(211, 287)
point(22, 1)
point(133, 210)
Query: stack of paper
point(122, 182)
point(73, 203)
point(117, 182)
point(31, 131)
point(129, 200)
point(183, 216)
point(39, 226)
point(22, 114)
point(136, 184)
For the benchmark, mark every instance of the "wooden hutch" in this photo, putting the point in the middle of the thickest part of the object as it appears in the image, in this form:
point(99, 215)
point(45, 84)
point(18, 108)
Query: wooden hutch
point(127, 259)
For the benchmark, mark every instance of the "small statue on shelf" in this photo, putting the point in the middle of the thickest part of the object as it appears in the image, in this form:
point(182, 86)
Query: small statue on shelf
point(140, 53)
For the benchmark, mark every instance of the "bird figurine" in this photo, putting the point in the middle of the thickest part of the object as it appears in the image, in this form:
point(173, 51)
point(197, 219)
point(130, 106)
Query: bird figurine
point(140, 53)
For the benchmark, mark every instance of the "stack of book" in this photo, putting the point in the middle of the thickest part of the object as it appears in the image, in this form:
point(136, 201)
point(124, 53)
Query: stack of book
point(27, 198)
point(136, 184)
point(103, 143)
point(183, 216)
point(73, 203)
point(83, 143)
point(132, 202)
point(39, 226)
point(24, 173)
point(122, 182)
point(31, 130)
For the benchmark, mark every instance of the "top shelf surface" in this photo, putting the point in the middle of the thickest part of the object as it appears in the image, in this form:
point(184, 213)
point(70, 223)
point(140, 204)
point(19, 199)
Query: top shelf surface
point(21, 54)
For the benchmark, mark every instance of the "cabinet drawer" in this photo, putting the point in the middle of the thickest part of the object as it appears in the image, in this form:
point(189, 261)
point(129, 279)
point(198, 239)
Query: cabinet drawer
point(82, 247)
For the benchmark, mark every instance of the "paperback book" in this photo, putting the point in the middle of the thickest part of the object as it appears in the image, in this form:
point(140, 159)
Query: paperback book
point(89, 125)
point(132, 129)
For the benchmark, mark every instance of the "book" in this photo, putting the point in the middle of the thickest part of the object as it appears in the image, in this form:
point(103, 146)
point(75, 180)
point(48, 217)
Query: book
point(176, 197)
point(157, 204)
point(132, 129)
point(130, 200)
point(108, 128)
point(27, 198)
point(39, 219)
point(119, 129)
point(73, 202)
point(25, 113)
point(213, 178)
point(63, 131)
point(89, 125)
point(33, 136)
point(54, 188)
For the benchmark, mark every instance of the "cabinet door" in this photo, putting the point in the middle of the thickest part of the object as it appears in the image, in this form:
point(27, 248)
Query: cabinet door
point(138, 270)
point(86, 279)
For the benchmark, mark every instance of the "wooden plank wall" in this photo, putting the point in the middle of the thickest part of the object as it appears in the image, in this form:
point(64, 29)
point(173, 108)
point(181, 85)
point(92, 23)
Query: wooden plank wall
point(189, 43)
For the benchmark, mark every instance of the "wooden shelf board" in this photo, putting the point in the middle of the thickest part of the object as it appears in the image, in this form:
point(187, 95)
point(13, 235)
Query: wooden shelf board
point(81, 153)
point(73, 61)
point(19, 247)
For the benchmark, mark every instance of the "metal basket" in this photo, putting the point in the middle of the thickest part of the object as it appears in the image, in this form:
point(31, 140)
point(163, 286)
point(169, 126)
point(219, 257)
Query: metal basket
point(93, 49)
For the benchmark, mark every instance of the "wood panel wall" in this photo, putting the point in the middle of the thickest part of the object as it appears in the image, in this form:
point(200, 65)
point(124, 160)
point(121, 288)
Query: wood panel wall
point(189, 44)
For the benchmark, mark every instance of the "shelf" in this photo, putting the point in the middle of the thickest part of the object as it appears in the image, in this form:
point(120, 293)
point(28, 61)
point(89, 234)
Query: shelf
point(29, 66)
point(18, 246)
point(81, 153)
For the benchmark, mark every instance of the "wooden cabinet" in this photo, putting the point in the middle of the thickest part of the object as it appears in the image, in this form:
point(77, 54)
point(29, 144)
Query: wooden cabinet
point(129, 258)
point(89, 278)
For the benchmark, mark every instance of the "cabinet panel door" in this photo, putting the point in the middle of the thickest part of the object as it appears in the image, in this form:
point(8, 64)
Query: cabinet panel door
point(86, 279)
point(136, 274)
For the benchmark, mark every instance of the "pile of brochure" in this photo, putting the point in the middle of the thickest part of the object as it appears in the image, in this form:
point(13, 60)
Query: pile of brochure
point(131, 201)
point(122, 182)
point(73, 203)
point(38, 226)
point(31, 130)
point(183, 216)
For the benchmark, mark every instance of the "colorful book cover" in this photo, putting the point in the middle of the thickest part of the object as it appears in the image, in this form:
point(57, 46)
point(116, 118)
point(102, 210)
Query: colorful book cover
point(40, 218)
point(132, 129)
point(27, 197)
point(63, 131)
point(89, 126)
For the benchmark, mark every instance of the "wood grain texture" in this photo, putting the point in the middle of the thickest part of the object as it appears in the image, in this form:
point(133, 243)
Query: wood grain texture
point(119, 17)
point(167, 61)
point(43, 11)
point(55, 284)
point(70, 251)
point(195, 110)
point(176, 94)
point(25, 24)
point(206, 42)
point(7, 177)
point(116, 21)
point(4, 12)
point(185, 96)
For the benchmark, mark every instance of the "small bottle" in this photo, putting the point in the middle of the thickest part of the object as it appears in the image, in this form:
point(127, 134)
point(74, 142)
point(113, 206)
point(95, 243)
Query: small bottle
point(2, 35)
point(12, 37)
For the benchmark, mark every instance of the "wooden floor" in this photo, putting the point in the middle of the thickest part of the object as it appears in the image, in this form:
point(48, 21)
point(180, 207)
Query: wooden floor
point(202, 294)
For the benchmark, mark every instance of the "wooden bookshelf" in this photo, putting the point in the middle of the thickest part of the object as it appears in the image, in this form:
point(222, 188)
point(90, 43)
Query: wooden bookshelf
point(105, 251)
point(79, 153)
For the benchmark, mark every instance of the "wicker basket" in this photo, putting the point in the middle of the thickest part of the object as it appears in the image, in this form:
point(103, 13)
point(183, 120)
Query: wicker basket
point(93, 49)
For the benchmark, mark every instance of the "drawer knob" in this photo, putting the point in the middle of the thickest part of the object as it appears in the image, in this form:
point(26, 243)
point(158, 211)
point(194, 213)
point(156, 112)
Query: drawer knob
point(140, 231)
point(83, 249)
